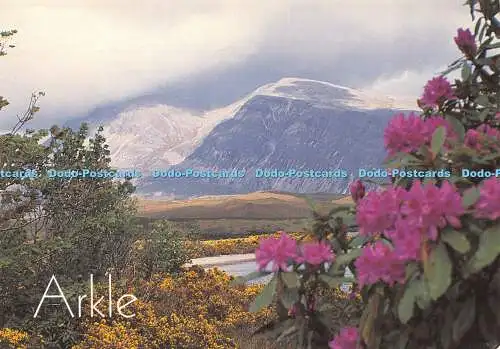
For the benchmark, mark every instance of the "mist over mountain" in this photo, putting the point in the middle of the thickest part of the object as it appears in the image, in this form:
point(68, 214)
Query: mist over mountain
point(293, 123)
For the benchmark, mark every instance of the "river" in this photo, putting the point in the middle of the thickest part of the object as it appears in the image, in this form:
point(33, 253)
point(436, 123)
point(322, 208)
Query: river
point(240, 265)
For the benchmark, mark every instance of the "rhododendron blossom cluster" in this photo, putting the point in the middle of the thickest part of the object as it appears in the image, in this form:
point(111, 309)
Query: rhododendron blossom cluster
point(407, 218)
point(379, 262)
point(346, 339)
point(436, 91)
point(476, 138)
point(408, 134)
point(283, 250)
point(315, 253)
point(421, 242)
point(466, 42)
point(488, 205)
point(357, 190)
point(279, 251)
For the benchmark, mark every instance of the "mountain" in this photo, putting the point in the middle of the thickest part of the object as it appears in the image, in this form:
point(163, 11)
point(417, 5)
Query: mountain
point(291, 124)
point(145, 134)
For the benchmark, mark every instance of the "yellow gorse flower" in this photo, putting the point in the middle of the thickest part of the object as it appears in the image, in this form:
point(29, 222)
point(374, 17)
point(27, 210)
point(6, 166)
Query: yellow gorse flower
point(14, 338)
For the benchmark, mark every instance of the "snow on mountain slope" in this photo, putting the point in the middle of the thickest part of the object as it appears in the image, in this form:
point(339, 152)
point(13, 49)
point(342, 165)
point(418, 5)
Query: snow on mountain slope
point(157, 136)
point(144, 137)
point(327, 95)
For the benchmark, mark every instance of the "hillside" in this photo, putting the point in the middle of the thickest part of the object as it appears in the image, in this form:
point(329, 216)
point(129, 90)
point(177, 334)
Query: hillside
point(258, 205)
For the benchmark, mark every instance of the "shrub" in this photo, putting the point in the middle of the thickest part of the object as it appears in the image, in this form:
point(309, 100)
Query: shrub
point(248, 244)
point(162, 251)
point(427, 259)
point(196, 309)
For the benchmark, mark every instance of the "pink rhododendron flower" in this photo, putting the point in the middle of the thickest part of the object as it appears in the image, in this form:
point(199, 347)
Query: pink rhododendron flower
point(488, 205)
point(489, 131)
point(466, 42)
point(347, 339)
point(436, 91)
point(472, 139)
point(277, 250)
point(357, 190)
point(409, 134)
point(429, 207)
point(433, 122)
point(476, 138)
point(379, 262)
point(378, 210)
point(408, 218)
point(315, 253)
point(404, 134)
point(407, 240)
point(451, 205)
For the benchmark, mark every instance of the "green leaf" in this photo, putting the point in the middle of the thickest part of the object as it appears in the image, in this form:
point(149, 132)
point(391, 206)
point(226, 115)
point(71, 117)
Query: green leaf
point(438, 271)
point(279, 329)
point(491, 157)
point(358, 241)
point(470, 197)
point(458, 127)
point(241, 280)
point(333, 281)
point(401, 159)
point(289, 297)
point(450, 69)
point(291, 279)
point(488, 249)
point(477, 26)
point(265, 297)
point(484, 61)
point(483, 114)
point(466, 71)
point(493, 46)
point(404, 338)
point(438, 138)
point(465, 319)
point(457, 240)
point(407, 302)
point(290, 331)
point(345, 259)
point(446, 328)
point(482, 100)
point(424, 296)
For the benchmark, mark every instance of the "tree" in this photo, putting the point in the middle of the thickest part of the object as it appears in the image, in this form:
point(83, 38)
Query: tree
point(69, 227)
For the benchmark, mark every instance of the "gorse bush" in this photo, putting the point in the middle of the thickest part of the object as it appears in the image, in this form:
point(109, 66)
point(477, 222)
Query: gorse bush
point(248, 244)
point(426, 261)
point(195, 309)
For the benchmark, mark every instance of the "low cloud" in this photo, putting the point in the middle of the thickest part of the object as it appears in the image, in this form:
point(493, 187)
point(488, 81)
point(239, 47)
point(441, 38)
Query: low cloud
point(87, 52)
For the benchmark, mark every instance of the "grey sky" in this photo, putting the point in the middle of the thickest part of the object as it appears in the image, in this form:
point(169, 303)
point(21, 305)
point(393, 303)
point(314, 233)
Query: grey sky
point(209, 52)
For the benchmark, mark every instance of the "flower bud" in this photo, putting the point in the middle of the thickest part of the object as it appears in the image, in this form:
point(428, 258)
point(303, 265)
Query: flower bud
point(466, 42)
point(311, 303)
point(472, 139)
point(357, 190)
